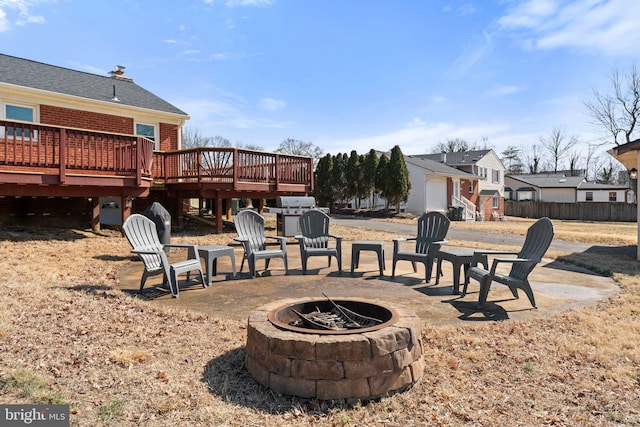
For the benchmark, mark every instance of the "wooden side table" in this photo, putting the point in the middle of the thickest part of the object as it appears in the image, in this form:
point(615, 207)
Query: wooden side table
point(367, 245)
point(210, 255)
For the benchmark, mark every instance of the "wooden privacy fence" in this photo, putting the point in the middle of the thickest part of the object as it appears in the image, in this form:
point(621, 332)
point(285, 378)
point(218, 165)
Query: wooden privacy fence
point(581, 211)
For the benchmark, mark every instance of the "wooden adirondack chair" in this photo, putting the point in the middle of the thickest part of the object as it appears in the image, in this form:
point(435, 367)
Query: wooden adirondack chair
point(315, 237)
point(250, 228)
point(142, 234)
point(535, 245)
point(432, 230)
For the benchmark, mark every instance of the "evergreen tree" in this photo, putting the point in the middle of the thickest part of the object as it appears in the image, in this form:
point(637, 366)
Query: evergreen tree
point(352, 176)
point(399, 184)
point(382, 179)
point(323, 190)
point(369, 166)
point(338, 177)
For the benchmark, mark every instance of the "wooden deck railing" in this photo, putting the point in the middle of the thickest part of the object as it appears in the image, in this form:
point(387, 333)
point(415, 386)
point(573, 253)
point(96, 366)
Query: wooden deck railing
point(28, 147)
point(233, 166)
point(31, 149)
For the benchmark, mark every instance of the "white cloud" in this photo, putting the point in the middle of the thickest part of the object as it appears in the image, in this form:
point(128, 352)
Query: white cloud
point(271, 104)
point(504, 90)
point(466, 9)
point(224, 114)
point(600, 26)
point(4, 22)
point(470, 57)
point(260, 3)
point(24, 16)
point(416, 137)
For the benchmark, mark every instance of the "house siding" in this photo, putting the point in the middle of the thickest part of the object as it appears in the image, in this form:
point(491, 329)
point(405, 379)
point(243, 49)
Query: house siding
point(558, 195)
point(601, 195)
point(67, 117)
point(492, 163)
point(428, 192)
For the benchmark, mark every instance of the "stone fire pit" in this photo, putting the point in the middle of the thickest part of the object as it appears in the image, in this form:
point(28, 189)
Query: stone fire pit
point(354, 364)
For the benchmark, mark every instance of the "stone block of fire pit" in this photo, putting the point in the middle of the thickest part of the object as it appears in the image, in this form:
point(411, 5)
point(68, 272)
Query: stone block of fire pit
point(357, 364)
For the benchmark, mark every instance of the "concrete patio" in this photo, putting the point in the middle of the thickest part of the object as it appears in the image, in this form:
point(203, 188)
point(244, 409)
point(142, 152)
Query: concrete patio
point(557, 286)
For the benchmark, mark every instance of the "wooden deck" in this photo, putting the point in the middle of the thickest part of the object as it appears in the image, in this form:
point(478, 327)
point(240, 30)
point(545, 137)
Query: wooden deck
point(34, 156)
point(48, 161)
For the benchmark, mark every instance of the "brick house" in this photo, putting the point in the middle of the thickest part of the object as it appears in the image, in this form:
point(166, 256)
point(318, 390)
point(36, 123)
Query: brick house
point(69, 140)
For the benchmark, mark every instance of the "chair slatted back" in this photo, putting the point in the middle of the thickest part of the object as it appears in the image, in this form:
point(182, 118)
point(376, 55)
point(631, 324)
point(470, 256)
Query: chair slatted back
point(142, 233)
point(314, 227)
point(432, 227)
point(250, 225)
point(535, 245)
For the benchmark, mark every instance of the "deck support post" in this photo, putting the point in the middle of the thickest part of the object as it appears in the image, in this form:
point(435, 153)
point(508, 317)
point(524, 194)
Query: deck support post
point(218, 214)
point(95, 213)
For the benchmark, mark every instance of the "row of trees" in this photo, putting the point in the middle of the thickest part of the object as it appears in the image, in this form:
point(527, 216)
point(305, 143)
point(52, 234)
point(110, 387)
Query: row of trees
point(340, 178)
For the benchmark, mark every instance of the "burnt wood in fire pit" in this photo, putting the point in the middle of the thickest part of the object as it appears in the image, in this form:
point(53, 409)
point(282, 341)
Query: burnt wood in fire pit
point(338, 319)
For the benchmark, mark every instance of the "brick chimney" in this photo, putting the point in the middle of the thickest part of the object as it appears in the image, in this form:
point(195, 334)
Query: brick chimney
point(118, 73)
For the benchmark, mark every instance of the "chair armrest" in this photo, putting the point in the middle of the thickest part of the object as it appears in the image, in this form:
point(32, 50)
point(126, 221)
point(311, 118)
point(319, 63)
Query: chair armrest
point(497, 261)
point(336, 237)
point(483, 257)
point(403, 239)
point(283, 242)
point(192, 250)
point(241, 239)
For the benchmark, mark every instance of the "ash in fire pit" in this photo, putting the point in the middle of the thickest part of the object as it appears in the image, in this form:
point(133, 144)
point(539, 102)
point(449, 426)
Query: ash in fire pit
point(338, 319)
point(382, 356)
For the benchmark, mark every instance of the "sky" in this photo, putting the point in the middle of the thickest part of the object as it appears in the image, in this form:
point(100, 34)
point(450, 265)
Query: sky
point(348, 74)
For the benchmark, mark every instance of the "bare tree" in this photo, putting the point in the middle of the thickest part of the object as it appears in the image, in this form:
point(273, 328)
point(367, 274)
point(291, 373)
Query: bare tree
point(299, 148)
point(558, 145)
point(191, 138)
point(590, 159)
point(618, 110)
point(453, 145)
point(532, 159)
point(574, 159)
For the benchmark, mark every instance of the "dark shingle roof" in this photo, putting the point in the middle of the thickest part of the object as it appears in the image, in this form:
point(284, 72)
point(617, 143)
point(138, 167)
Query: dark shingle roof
point(598, 186)
point(549, 181)
point(423, 161)
point(461, 158)
point(36, 75)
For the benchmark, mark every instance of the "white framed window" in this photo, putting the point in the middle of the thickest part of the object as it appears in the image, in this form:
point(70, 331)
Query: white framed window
point(496, 202)
point(589, 196)
point(495, 176)
point(148, 131)
point(23, 113)
point(613, 196)
point(470, 187)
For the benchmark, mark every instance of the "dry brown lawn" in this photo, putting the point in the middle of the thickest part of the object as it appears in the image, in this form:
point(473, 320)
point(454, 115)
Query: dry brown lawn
point(67, 336)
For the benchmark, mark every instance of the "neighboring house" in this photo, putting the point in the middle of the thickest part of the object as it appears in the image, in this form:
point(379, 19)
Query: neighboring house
point(594, 192)
point(488, 197)
point(436, 186)
point(549, 187)
point(556, 187)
